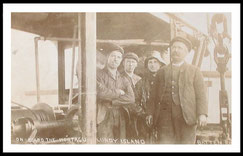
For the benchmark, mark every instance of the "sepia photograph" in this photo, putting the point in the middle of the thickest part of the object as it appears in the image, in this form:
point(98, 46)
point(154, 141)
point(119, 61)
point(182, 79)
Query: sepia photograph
point(153, 79)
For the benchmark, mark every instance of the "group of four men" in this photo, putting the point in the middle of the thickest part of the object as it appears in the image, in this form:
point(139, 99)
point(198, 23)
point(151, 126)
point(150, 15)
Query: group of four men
point(169, 99)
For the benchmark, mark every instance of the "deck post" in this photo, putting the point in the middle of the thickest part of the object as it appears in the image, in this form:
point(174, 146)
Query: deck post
point(88, 89)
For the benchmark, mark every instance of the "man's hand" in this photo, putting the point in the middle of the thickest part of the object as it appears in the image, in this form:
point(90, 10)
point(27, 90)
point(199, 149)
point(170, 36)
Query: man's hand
point(149, 120)
point(202, 120)
point(139, 111)
point(121, 92)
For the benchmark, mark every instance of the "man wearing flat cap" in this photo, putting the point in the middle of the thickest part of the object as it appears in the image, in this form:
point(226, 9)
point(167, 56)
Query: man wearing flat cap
point(130, 62)
point(180, 102)
point(113, 92)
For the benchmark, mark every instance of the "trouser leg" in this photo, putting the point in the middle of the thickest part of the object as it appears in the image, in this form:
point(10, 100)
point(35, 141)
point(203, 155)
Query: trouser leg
point(166, 135)
point(184, 133)
point(119, 129)
point(105, 129)
point(165, 128)
point(188, 134)
point(142, 128)
point(122, 127)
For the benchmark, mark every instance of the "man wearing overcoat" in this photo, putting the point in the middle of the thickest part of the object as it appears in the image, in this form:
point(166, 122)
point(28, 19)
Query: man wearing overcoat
point(180, 102)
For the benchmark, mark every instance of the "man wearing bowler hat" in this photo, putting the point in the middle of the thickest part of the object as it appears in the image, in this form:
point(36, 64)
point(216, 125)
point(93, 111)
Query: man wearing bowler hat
point(113, 92)
point(180, 102)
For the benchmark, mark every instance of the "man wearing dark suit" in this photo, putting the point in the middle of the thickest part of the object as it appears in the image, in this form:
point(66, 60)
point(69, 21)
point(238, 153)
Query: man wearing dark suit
point(180, 102)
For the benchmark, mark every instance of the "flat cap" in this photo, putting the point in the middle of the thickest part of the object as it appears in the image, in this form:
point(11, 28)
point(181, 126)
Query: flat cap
point(131, 55)
point(107, 48)
point(183, 40)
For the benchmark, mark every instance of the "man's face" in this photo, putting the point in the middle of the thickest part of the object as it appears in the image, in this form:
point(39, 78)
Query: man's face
point(178, 52)
point(153, 65)
point(130, 65)
point(114, 59)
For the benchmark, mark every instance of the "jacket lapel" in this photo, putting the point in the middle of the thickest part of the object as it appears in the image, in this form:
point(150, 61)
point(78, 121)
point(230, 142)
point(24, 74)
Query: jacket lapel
point(182, 77)
point(183, 67)
point(167, 74)
point(110, 74)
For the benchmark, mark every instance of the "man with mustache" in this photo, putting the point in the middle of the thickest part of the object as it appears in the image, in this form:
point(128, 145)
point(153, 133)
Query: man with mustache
point(113, 93)
point(180, 102)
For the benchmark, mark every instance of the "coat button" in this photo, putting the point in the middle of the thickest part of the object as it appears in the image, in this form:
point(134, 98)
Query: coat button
point(173, 93)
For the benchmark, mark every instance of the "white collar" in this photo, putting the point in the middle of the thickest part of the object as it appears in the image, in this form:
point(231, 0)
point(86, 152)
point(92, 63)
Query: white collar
point(178, 64)
point(113, 73)
point(129, 74)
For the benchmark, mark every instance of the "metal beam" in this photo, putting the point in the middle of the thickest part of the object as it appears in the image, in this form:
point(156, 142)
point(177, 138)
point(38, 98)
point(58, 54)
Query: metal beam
point(61, 73)
point(199, 54)
point(173, 16)
point(133, 42)
point(37, 69)
point(59, 39)
point(42, 92)
point(215, 74)
point(80, 74)
point(72, 69)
